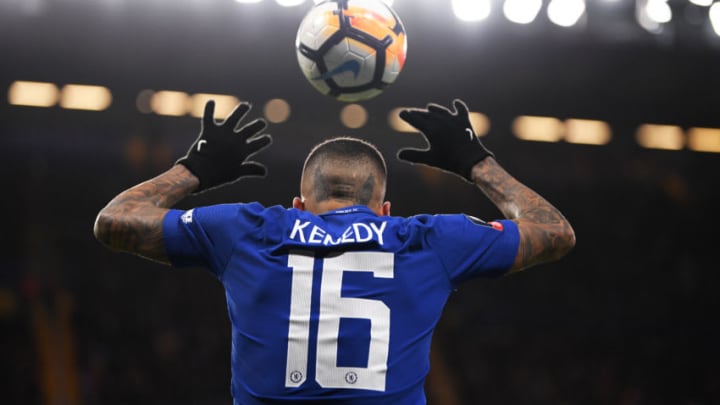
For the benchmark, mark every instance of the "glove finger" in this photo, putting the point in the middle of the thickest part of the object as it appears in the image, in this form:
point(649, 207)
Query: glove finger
point(414, 155)
point(209, 114)
point(258, 143)
point(461, 108)
point(237, 114)
point(252, 128)
point(436, 108)
point(416, 118)
point(252, 169)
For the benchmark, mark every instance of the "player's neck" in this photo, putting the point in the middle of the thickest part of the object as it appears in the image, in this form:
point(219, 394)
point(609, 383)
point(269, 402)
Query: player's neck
point(336, 204)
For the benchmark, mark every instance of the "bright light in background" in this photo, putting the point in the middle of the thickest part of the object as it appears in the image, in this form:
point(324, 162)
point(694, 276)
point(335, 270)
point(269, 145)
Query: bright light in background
point(142, 101)
point(33, 94)
point(84, 97)
point(588, 132)
point(540, 129)
point(178, 103)
point(521, 11)
point(715, 17)
point(277, 110)
point(704, 139)
point(669, 137)
point(479, 121)
point(651, 14)
point(471, 10)
point(388, 2)
point(565, 13)
point(173, 103)
point(224, 104)
point(703, 3)
point(354, 116)
point(659, 11)
point(290, 3)
point(397, 123)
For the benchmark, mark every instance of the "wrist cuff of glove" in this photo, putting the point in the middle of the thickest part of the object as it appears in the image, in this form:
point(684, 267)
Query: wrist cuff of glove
point(196, 170)
point(468, 158)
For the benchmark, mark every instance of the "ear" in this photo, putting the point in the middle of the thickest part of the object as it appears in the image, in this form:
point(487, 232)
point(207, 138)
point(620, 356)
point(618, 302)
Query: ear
point(386, 208)
point(298, 204)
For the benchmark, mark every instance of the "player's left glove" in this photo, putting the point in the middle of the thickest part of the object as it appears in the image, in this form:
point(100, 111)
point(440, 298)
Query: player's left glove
point(219, 154)
point(454, 147)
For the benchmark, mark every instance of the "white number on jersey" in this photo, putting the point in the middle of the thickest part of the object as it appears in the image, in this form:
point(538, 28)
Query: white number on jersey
point(333, 307)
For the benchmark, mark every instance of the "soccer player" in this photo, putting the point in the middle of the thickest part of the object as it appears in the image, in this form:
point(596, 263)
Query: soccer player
point(334, 300)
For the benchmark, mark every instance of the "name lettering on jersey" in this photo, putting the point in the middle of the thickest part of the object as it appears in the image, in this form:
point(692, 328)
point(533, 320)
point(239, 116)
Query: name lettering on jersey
point(358, 232)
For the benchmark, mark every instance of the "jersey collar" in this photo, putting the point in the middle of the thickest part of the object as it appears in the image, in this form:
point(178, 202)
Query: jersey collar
point(353, 209)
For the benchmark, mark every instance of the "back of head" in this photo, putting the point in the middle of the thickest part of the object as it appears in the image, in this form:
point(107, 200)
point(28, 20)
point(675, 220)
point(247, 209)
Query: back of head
point(345, 169)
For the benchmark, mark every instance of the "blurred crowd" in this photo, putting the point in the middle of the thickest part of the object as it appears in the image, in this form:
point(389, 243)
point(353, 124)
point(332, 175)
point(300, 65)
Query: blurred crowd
point(629, 317)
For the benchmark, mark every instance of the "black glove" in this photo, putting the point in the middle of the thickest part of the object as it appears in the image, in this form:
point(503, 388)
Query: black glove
point(453, 144)
point(219, 154)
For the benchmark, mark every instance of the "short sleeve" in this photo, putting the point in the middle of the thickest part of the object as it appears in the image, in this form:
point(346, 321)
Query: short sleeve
point(469, 247)
point(206, 236)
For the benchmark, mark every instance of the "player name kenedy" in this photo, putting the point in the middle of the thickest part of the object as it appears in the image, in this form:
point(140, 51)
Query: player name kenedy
point(358, 232)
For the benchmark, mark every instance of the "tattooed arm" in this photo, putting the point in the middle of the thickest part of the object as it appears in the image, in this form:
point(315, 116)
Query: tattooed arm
point(132, 221)
point(545, 234)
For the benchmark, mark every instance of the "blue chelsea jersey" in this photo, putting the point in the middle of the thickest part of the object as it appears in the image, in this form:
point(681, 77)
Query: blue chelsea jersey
point(337, 307)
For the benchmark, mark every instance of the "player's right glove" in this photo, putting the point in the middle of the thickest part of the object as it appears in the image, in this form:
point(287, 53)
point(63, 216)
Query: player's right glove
point(219, 154)
point(454, 147)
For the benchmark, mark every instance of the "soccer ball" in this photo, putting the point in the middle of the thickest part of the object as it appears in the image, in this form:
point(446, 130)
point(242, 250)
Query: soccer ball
point(351, 49)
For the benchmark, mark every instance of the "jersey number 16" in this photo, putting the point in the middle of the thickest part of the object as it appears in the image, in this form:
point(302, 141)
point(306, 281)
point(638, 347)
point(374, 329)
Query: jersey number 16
point(333, 306)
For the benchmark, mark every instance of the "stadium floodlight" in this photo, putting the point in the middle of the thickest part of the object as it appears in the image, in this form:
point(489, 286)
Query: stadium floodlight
point(565, 13)
point(652, 14)
point(715, 17)
point(290, 3)
point(521, 11)
point(33, 94)
point(277, 110)
point(704, 139)
point(388, 2)
point(659, 11)
point(702, 3)
point(587, 132)
point(170, 102)
point(85, 97)
point(224, 104)
point(354, 116)
point(538, 129)
point(471, 10)
point(654, 136)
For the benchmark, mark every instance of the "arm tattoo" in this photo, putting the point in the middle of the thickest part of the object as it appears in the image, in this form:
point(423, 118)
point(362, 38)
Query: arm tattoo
point(132, 221)
point(545, 234)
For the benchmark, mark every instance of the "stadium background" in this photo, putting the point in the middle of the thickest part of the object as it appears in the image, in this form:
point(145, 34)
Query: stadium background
point(629, 317)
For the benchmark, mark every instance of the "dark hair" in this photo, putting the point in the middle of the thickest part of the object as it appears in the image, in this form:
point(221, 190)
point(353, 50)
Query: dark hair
point(345, 151)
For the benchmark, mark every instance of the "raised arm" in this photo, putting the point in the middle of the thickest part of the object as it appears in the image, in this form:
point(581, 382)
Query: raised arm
point(545, 235)
point(132, 221)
